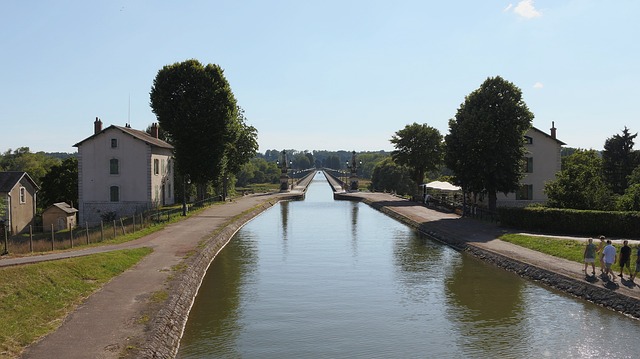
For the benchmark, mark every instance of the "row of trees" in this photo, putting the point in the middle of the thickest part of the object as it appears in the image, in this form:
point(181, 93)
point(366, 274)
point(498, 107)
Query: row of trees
point(55, 173)
point(484, 148)
point(484, 151)
point(603, 181)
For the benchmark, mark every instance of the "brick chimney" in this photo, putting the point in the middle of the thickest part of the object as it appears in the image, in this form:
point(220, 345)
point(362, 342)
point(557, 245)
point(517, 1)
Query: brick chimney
point(553, 130)
point(154, 130)
point(97, 126)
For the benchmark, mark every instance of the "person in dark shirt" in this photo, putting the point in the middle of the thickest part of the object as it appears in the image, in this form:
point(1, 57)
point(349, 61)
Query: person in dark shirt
point(625, 258)
point(633, 276)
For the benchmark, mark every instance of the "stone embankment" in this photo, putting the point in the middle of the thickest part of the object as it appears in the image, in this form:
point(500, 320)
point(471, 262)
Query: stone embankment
point(480, 239)
point(168, 325)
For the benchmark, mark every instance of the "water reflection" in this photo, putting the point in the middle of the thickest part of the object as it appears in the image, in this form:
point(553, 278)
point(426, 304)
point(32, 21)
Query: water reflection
point(354, 228)
point(216, 330)
point(486, 305)
point(331, 279)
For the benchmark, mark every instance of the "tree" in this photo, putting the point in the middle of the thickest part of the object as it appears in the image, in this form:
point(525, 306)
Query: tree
point(418, 147)
point(580, 184)
point(196, 107)
point(619, 160)
point(60, 184)
point(485, 147)
point(391, 177)
point(242, 143)
point(22, 159)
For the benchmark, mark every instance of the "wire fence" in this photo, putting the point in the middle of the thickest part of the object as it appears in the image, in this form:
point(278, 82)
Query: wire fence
point(41, 239)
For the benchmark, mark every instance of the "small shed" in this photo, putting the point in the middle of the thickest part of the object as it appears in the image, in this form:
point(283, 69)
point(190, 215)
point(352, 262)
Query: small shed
point(61, 215)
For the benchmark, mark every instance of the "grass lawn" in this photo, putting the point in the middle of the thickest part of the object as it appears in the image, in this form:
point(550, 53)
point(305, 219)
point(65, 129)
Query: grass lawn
point(563, 248)
point(35, 298)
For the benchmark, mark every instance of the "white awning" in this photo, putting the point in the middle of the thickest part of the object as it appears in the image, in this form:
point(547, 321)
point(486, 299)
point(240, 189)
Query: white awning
point(443, 186)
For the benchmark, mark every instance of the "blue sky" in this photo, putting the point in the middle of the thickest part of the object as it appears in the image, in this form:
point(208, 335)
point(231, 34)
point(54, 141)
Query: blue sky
point(319, 75)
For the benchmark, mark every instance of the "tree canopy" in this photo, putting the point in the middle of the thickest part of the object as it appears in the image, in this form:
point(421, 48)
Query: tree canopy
point(194, 104)
point(388, 176)
point(418, 147)
point(580, 184)
point(60, 184)
point(619, 160)
point(485, 144)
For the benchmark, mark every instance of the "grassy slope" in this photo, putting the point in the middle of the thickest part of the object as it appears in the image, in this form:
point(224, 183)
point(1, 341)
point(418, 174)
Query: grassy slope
point(35, 298)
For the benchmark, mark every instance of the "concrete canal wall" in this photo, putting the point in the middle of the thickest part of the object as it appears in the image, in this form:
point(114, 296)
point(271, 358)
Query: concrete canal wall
point(621, 299)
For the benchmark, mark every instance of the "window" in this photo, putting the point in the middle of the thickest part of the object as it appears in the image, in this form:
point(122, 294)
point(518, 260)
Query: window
point(114, 194)
point(156, 166)
point(528, 140)
point(114, 166)
point(525, 192)
point(23, 195)
point(114, 143)
point(527, 165)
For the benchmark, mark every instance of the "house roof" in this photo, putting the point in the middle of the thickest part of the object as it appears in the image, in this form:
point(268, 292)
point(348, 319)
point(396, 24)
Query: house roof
point(9, 179)
point(549, 136)
point(140, 135)
point(63, 206)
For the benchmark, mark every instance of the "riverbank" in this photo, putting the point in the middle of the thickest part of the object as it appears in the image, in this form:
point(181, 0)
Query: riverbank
point(125, 318)
point(480, 239)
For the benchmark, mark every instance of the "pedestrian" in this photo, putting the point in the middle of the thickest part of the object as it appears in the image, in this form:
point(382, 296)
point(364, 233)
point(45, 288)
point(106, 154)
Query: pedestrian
point(599, 251)
point(625, 258)
point(609, 257)
point(590, 257)
point(633, 276)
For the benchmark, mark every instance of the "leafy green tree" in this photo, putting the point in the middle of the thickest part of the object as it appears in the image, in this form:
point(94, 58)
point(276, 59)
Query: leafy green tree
point(242, 143)
point(418, 147)
point(22, 159)
point(619, 159)
point(630, 200)
point(60, 184)
point(194, 104)
point(580, 184)
point(391, 177)
point(485, 147)
point(634, 177)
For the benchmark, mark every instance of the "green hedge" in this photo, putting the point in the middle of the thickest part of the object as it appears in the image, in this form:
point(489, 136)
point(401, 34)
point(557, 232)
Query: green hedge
point(571, 221)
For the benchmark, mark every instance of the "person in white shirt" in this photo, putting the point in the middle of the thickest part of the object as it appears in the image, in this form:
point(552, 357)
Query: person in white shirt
point(609, 257)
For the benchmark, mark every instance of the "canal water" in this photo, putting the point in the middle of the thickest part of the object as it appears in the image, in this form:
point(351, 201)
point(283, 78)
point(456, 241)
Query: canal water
point(335, 279)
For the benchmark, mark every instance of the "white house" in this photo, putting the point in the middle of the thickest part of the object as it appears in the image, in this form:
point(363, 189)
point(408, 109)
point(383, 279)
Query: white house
point(122, 171)
point(542, 162)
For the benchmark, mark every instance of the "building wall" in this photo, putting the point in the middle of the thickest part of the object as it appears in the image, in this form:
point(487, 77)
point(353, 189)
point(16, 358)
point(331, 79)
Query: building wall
point(59, 218)
point(545, 152)
point(22, 213)
point(135, 179)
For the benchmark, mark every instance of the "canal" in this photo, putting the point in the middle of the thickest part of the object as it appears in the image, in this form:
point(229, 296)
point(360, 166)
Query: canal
point(335, 279)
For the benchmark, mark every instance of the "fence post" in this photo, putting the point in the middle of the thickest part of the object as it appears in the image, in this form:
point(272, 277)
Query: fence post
point(71, 235)
point(134, 222)
point(6, 240)
point(53, 237)
point(31, 238)
point(86, 226)
point(101, 230)
point(122, 225)
point(142, 220)
point(114, 229)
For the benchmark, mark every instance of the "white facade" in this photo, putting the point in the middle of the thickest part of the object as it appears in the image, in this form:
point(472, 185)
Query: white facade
point(122, 171)
point(543, 162)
